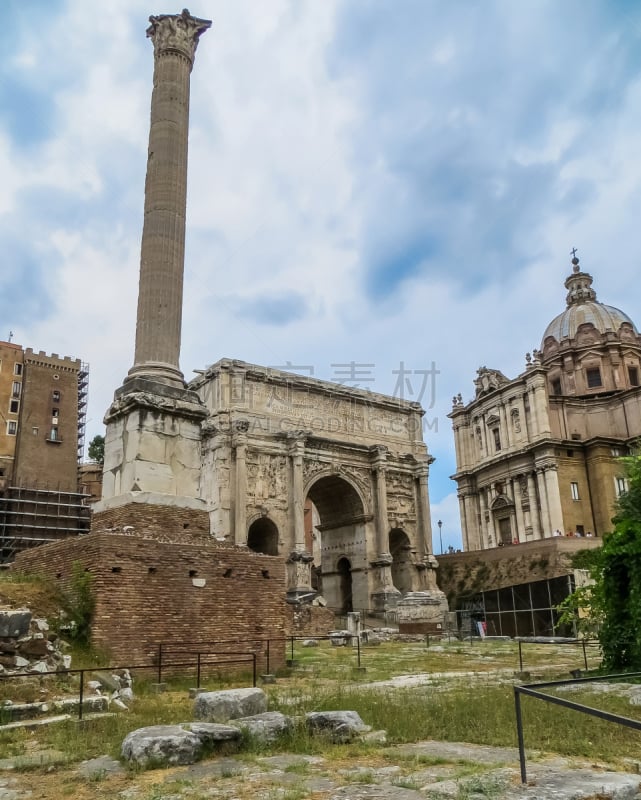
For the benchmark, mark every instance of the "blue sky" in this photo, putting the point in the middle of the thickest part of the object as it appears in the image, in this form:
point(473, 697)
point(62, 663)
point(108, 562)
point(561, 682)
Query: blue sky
point(370, 182)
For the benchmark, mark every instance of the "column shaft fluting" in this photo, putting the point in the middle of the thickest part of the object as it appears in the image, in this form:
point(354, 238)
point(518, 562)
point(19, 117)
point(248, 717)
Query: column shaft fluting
point(160, 294)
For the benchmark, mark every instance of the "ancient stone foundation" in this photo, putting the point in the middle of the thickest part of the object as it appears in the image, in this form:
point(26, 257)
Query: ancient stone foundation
point(149, 592)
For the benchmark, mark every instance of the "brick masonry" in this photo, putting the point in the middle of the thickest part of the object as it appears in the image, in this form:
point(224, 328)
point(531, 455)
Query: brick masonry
point(148, 592)
point(160, 522)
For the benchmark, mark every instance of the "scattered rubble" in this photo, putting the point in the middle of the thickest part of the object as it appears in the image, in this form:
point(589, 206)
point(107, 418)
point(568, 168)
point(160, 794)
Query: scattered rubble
point(28, 645)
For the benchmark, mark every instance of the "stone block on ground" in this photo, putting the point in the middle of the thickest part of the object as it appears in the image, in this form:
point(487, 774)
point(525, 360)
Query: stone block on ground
point(171, 745)
point(339, 726)
point(265, 727)
point(230, 704)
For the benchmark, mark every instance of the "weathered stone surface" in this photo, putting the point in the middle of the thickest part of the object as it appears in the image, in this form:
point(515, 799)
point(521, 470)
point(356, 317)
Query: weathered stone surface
point(174, 744)
point(162, 744)
point(14, 623)
point(96, 768)
point(267, 727)
point(340, 726)
point(212, 733)
point(230, 704)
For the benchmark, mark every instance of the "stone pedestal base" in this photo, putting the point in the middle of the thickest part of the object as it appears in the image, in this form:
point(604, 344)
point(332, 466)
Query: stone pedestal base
point(385, 600)
point(299, 578)
point(422, 612)
point(152, 442)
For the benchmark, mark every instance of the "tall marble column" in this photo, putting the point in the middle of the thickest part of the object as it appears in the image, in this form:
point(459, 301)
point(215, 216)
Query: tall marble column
point(158, 326)
point(464, 522)
point(554, 499)
point(423, 508)
point(534, 507)
point(546, 521)
point(240, 496)
point(384, 593)
point(299, 576)
point(483, 520)
point(518, 506)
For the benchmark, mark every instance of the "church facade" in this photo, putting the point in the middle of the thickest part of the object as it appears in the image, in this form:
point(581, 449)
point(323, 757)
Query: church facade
point(538, 455)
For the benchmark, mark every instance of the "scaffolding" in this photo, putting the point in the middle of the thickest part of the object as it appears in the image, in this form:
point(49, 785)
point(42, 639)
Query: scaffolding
point(30, 517)
point(83, 391)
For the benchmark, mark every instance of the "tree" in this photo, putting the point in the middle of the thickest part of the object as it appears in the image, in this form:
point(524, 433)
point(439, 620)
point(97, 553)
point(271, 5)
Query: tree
point(96, 451)
point(612, 603)
point(620, 578)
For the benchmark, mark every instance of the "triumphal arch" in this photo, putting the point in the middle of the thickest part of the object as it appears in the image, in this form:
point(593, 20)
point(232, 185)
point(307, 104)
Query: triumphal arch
point(332, 478)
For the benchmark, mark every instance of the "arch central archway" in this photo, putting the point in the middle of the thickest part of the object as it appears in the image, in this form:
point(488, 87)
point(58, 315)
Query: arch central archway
point(339, 542)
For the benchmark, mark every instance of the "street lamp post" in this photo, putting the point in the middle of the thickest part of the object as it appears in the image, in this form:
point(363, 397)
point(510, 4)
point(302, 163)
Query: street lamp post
point(440, 534)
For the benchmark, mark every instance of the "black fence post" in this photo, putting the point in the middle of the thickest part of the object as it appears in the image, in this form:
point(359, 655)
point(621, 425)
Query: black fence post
point(267, 657)
point(358, 650)
point(82, 697)
point(519, 732)
point(292, 650)
point(585, 655)
point(160, 663)
point(520, 657)
point(254, 665)
point(198, 669)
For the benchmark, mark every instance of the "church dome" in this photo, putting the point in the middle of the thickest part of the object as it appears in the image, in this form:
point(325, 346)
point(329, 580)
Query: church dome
point(582, 308)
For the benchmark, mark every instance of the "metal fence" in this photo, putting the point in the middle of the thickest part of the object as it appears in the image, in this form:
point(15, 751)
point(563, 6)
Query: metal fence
point(533, 690)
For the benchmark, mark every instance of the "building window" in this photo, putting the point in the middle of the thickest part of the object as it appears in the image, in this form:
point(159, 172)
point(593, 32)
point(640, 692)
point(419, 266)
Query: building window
point(14, 405)
point(497, 439)
point(620, 486)
point(15, 389)
point(34, 431)
point(574, 490)
point(55, 396)
point(594, 377)
point(616, 452)
point(556, 386)
point(12, 427)
point(633, 375)
point(17, 369)
point(53, 435)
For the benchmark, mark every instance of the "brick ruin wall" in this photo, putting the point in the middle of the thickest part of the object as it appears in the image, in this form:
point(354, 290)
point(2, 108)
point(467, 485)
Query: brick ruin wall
point(155, 522)
point(310, 621)
point(148, 592)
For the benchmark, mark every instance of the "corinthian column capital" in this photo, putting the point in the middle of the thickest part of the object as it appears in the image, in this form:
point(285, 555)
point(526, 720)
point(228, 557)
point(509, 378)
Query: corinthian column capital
point(176, 33)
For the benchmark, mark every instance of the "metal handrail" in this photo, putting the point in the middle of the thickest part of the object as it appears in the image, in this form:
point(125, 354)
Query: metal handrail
point(531, 690)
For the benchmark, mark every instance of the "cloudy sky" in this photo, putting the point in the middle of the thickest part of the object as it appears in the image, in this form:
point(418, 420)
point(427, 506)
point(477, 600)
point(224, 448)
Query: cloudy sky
point(390, 185)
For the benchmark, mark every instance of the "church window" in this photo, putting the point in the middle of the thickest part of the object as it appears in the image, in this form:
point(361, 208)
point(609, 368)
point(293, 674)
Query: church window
point(574, 490)
point(14, 405)
point(17, 369)
point(12, 427)
point(497, 439)
point(620, 485)
point(594, 377)
point(556, 386)
point(633, 375)
point(15, 389)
